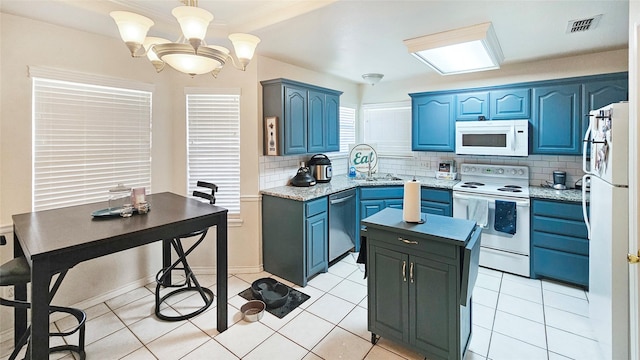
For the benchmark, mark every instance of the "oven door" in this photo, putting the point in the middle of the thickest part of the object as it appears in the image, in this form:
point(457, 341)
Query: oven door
point(517, 243)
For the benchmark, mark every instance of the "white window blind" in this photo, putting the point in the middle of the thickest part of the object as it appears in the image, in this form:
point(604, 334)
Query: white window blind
point(87, 139)
point(389, 126)
point(347, 128)
point(213, 141)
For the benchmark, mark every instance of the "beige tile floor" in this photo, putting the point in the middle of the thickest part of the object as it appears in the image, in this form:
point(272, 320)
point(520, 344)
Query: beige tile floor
point(514, 318)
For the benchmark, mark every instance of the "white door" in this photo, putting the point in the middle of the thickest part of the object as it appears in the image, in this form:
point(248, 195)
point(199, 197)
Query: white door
point(634, 167)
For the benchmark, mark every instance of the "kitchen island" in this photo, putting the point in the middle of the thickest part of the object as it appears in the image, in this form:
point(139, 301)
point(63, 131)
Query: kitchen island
point(420, 281)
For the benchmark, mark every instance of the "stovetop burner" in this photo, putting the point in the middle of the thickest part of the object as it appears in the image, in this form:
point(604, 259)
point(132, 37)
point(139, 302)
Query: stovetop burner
point(513, 186)
point(473, 183)
point(510, 189)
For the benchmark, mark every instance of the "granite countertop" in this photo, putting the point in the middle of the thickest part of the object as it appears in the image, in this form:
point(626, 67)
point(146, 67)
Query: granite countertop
point(342, 182)
point(540, 192)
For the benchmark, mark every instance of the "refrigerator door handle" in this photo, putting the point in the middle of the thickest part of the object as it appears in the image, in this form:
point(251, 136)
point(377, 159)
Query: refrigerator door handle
point(585, 143)
point(585, 213)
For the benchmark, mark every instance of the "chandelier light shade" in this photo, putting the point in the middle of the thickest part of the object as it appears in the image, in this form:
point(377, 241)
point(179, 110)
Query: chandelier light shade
point(469, 49)
point(190, 54)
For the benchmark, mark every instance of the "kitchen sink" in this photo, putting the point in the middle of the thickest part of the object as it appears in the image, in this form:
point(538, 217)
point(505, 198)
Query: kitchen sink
point(388, 177)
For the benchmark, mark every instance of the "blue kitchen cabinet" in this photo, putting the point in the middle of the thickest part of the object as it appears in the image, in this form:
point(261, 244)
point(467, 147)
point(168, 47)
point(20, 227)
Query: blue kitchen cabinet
point(324, 122)
point(559, 243)
point(499, 104)
point(332, 106)
point(432, 122)
point(375, 198)
point(599, 93)
point(556, 122)
point(295, 120)
point(470, 106)
point(317, 227)
point(295, 237)
point(510, 104)
point(308, 116)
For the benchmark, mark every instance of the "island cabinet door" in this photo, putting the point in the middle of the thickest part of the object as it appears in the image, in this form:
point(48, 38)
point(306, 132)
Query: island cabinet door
point(433, 306)
point(388, 293)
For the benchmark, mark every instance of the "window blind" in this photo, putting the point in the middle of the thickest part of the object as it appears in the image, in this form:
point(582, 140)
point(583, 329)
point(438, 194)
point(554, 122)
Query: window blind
point(213, 140)
point(86, 140)
point(389, 126)
point(347, 128)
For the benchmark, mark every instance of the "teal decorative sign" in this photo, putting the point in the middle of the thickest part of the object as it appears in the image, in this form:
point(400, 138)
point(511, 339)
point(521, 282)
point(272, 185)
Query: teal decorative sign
point(363, 157)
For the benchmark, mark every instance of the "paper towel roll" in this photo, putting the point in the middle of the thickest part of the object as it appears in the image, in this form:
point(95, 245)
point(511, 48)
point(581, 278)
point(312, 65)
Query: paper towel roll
point(411, 202)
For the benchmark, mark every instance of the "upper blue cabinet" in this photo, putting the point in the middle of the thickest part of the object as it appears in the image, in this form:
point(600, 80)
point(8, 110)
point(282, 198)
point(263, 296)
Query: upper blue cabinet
point(432, 122)
point(500, 104)
point(473, 105)
point(308, 116)
point(557, 111)
point(556, 120)
point(510, 104)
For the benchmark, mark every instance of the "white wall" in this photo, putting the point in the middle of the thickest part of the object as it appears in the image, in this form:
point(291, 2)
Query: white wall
point(54, 46)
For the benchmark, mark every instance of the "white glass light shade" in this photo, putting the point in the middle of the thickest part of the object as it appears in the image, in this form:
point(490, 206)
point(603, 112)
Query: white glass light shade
point(183, 58)
point(473, 48)
point(133, 27)
point(244, 46)
point(193, 21)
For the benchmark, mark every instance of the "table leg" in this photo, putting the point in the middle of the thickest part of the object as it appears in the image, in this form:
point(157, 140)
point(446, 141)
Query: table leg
point(166, 256)
point(40, 281)
point(20, 293)
point(221, 271)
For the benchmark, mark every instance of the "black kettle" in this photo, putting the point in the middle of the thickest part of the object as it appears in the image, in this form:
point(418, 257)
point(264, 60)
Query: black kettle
point(303, 177)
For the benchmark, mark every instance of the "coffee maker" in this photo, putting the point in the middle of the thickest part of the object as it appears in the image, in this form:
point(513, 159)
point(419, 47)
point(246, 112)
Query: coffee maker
point(559, 180)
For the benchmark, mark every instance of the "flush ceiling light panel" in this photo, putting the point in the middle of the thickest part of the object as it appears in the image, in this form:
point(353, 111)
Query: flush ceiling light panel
point(468, 49)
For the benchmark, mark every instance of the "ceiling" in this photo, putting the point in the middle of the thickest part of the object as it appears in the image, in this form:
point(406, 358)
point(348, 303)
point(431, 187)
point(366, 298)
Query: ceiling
point(348, 38)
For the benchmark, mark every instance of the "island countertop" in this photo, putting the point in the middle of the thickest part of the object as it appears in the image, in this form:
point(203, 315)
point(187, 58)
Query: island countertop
point(442, 228)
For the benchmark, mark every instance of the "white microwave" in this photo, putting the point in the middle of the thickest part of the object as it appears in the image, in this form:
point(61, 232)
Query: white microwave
point(493, 137)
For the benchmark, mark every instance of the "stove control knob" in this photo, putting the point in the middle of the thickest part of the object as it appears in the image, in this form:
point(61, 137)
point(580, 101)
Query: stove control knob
point(513, 171)
point(520, 172)
point(500, 171)
point(465, 169)
point(473, 169)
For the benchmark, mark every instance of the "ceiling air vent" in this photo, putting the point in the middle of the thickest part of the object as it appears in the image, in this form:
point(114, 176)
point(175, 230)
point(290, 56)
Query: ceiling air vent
point(582, 25)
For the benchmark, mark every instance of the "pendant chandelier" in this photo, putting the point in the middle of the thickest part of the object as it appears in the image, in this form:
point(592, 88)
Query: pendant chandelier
point(190, 54)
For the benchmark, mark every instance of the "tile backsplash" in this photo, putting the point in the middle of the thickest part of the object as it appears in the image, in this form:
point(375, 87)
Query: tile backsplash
point(278, 170)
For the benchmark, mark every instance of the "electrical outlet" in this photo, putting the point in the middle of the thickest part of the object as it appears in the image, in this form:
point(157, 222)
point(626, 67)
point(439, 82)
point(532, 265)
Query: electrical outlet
point(425, 165)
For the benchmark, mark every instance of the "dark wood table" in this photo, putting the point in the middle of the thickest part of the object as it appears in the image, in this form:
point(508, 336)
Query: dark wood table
point(58, 239)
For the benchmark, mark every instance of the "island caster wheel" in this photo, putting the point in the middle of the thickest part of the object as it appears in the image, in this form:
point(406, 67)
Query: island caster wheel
point(374, 338)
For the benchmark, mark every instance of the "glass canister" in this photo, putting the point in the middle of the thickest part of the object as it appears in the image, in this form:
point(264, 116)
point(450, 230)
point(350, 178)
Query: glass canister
point(119, 196)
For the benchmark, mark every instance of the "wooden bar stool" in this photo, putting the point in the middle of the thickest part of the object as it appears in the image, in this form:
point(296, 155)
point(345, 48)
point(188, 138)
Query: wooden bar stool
point(18, 272)
point(190, 283)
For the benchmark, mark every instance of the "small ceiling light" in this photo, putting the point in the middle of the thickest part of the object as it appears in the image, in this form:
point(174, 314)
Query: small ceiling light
point(189, 54)
point(372, 78)
point(469, 49)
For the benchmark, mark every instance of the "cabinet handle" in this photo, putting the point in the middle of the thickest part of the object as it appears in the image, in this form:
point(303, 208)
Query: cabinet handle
point(404, 271)
point(411, 273)
point(408, 241)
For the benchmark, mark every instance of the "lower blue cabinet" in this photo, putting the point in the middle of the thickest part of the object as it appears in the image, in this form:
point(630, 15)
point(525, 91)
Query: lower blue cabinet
point(559, 243)
point(295, 237)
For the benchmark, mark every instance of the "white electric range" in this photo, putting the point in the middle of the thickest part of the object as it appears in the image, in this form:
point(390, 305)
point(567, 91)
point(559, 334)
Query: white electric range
point(480, 186)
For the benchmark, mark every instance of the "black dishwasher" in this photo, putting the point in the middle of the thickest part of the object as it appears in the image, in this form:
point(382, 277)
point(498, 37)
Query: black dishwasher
point(342, 223)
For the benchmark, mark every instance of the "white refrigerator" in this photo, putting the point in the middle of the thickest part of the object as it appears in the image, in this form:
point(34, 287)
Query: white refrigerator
point(607, 222)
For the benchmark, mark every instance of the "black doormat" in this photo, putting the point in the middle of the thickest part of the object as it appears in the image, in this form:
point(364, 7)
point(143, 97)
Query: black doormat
point(295, 299)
